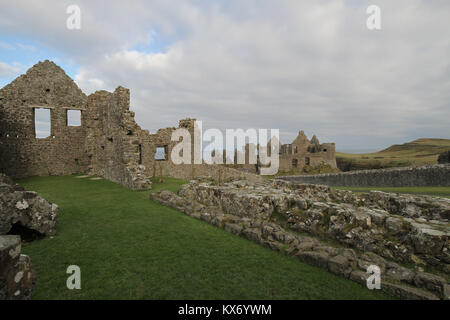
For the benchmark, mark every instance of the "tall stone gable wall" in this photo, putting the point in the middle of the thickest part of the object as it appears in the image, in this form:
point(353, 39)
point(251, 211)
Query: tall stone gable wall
point(21, 154)
point(101, 145)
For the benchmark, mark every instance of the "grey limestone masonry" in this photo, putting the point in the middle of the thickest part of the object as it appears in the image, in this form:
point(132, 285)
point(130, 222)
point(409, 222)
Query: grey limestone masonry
point(17, 276)
point(28, 210)
point(107, 143)
point(432, 175)
point(339, 231)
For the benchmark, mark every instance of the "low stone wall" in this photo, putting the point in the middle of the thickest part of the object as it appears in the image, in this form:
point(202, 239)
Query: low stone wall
point(387, 229)
point(435, 175)
point(210, 172)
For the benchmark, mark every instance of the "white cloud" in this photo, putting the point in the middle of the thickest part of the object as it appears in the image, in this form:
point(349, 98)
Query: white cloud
point(7, 70)
point(286, 64)
point(6, 46)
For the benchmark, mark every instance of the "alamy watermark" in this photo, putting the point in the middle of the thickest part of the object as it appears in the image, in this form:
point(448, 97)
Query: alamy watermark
point(263, 149)
point(73, 22)
point(374, 20)
point(374, 279)
point(74, 280)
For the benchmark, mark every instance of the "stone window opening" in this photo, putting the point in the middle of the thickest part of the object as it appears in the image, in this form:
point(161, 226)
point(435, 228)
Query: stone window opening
point(42, 123)
point(307, 161)
point(73, 118)
point(325, 150)
point(295, 163)
point(295, 149)
point(140, 153)
point(161, 153)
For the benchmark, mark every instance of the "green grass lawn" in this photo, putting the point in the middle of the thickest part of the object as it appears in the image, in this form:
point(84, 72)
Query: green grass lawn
point(430, 191)
point(129, 247)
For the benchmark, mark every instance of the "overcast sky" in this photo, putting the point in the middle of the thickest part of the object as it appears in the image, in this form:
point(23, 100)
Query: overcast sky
point(291, 65)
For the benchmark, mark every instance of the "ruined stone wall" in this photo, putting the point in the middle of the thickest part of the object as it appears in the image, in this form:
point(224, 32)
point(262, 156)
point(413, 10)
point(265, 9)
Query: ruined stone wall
point(435, 175)
point(303, 152)
point(150, 143)
point(211, 172)
point(113, 139)
point(162, 138)
point(21, 153)
point(108, 142)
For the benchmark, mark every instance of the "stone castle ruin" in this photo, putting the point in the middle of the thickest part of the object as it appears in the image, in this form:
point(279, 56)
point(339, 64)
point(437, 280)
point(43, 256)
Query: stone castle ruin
point(297, 157)
point(304, 152)
point(107, 142)
point(407, 237)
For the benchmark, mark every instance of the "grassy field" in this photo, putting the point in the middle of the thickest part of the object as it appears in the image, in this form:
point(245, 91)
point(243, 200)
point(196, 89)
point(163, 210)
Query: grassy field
point(415, 153)
point(129, 247)
point(430, 191)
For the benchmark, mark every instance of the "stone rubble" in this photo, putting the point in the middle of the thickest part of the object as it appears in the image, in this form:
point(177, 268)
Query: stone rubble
point(26, 208)
point(30, 211)
point(388, 230)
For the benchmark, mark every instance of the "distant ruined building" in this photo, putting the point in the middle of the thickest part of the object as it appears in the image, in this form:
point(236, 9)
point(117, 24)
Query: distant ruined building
point(303, 152)
point(296, 156)
point(107, 142)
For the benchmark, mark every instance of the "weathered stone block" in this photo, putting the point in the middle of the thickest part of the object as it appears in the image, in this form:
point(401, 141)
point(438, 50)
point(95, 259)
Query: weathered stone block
point(17, 277)
point(406, 292)
point(29, 210)
point(359, 277)
point(340, 265)
point(252, 234)
point(431, 282)
point(233, 228)
point(317, 259)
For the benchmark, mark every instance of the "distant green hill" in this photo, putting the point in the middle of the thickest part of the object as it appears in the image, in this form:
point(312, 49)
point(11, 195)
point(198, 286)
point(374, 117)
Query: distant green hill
point(419, 152)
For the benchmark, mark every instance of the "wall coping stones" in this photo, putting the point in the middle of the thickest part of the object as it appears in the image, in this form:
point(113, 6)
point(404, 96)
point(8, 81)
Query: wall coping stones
point(428, 175)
